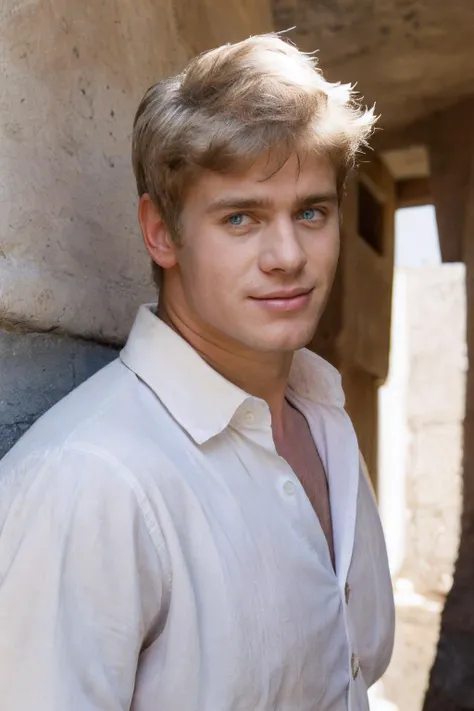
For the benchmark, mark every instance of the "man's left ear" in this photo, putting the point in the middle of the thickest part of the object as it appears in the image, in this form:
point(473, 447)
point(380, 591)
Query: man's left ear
point(155, 234)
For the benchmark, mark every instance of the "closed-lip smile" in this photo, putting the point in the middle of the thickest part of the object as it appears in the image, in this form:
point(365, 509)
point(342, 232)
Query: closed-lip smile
point(283, 294)
point(285, 300)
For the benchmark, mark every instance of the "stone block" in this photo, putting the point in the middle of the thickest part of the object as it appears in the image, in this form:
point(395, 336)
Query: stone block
point(37, 370)
point(434, 502)
point(436, 322)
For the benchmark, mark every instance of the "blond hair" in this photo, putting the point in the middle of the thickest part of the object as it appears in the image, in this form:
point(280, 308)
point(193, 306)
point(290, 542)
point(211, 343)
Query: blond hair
point(233, 104)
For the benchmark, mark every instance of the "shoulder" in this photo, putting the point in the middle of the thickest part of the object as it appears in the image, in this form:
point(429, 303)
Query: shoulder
point(103, 444)
point(102, 421)
point(78, 493)
point(86, 452)
point(83, 405)
point(68, 470)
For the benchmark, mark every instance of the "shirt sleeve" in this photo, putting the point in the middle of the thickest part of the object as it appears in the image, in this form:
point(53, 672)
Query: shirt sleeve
point(81, 584)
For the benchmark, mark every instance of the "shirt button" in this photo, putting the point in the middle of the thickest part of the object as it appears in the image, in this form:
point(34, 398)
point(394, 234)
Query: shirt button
point(289, 488)
point(347, 592)
point(355, 667)
point(249, 418)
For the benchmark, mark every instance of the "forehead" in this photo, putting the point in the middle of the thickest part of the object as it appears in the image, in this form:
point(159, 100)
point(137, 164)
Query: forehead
point(294, 180)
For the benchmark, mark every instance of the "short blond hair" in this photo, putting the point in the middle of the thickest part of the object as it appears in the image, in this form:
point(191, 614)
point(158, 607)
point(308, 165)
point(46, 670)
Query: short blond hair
point(233, 104)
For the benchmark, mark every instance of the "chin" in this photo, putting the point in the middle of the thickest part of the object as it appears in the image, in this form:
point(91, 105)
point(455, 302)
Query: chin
point(285, 340)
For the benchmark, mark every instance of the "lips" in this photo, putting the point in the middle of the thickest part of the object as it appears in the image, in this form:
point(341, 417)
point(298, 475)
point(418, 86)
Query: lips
point(285, 300)
point(283, 294)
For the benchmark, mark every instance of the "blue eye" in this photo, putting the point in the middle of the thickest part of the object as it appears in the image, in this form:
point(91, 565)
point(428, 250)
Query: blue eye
point(236, 220)
point(310, 214)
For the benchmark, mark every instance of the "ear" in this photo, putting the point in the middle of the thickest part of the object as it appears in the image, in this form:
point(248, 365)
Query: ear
point(155, 234)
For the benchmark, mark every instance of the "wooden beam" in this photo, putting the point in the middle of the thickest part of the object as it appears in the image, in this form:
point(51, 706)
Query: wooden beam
point(414, 192)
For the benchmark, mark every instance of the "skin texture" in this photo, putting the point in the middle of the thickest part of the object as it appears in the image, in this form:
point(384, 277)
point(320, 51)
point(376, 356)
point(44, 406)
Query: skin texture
point(245, 238)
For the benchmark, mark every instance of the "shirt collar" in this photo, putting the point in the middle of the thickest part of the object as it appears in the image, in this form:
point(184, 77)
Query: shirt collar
point(201, 400)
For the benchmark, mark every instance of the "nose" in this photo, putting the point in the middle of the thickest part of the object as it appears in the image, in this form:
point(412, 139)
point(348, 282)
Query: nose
point(281, 249)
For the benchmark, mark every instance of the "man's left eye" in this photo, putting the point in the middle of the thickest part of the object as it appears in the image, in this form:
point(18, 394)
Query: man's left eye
point(310, 214)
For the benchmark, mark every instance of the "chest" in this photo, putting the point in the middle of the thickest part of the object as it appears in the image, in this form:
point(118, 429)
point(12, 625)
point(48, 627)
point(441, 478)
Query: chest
point(298, 449)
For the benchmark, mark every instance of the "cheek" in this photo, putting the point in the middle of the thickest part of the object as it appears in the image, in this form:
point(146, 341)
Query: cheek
point(324, 253)
point(336, 251)
point(221, 259)
point(207, 273)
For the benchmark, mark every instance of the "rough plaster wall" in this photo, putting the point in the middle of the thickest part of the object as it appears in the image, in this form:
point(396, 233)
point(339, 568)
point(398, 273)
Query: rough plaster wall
point(435, 312)
point(71, 77)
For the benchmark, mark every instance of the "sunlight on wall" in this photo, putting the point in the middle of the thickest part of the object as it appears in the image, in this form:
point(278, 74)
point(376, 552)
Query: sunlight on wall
point(416, 237)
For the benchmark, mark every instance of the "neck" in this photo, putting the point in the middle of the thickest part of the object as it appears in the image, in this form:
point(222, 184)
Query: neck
point(263, 375)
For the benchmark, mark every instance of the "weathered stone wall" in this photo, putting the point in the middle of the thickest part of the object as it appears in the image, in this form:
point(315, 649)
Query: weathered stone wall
point(37, 370)
point(71, 259)
point(429, 395)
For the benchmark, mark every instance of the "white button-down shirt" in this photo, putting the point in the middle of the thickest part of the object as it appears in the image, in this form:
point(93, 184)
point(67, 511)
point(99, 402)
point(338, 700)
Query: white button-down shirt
point(156, 553)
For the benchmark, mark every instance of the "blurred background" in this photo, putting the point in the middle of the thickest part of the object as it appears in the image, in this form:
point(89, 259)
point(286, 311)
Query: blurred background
point(400, 323)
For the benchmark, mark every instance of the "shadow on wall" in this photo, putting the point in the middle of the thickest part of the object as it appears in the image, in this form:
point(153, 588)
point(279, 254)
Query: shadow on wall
point(37, 370)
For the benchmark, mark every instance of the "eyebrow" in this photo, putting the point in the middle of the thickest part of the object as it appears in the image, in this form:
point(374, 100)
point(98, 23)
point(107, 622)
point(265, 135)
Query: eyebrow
point(243, 203)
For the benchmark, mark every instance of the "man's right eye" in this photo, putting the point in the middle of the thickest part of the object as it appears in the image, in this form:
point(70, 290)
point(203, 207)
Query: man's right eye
point(236, 220)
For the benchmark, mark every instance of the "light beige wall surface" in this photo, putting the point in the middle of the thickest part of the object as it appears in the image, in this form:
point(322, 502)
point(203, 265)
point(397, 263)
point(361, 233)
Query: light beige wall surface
point(71, 75)
point(436, 394)
point(427, 393)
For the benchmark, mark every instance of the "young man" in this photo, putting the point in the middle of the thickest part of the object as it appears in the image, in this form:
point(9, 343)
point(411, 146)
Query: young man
point(190, 530)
